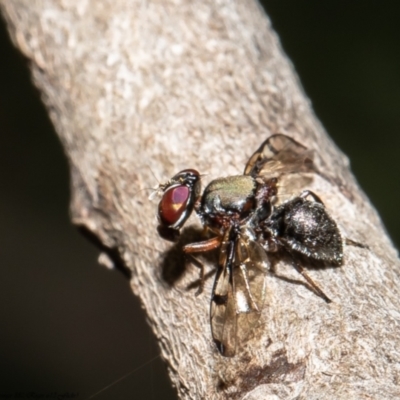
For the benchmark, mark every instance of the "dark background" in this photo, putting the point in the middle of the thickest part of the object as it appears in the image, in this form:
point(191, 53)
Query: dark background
point(71, 326)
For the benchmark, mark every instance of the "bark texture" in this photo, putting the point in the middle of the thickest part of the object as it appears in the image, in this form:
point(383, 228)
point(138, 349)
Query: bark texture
point(134, 87)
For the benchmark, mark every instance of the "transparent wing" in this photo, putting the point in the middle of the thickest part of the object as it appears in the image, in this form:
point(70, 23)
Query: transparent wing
point(223, 310)
point(279, 155)
point(291, 185)
point(239, 291)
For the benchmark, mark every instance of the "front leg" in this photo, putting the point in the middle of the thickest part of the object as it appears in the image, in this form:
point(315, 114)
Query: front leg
point(201, 247)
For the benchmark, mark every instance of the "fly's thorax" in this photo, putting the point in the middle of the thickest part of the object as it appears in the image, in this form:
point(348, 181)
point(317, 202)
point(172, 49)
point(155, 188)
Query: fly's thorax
point(227, 201)
point(233, 193)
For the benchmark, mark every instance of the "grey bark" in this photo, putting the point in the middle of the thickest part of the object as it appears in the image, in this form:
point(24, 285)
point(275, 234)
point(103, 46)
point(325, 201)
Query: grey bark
point(134, 87)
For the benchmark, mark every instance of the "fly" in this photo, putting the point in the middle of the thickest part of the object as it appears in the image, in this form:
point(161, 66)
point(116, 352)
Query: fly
point(248, 224)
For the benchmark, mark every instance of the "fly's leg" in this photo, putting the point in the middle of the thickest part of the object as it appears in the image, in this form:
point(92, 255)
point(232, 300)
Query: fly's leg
point(307, 193)
point(317, 290)
point(201, 247)
point(273, 244)
point(269, 242)
point(350, 242)
point(198, 264)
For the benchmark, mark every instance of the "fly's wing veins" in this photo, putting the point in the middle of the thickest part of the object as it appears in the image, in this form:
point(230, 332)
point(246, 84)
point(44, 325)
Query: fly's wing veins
point(223, 310)
point(238, 294)
point(279, 155)
point(250, 284)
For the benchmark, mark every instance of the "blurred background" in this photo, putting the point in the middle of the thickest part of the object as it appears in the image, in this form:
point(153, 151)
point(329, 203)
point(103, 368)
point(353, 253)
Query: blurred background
point(71, 326)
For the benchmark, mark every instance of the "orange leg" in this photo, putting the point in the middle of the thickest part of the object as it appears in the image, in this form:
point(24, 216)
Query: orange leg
point(201, 247)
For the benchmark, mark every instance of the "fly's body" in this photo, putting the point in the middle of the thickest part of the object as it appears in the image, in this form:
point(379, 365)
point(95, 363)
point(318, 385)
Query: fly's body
point(247, 223)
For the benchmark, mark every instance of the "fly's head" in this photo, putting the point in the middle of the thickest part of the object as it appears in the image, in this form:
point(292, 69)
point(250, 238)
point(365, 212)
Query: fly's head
point(179, 196)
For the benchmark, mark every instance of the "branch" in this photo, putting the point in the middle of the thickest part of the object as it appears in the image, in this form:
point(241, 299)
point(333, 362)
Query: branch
point(134, 87)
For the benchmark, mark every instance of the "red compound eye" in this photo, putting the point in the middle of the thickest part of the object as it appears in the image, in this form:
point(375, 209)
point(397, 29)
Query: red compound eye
point(173, 204)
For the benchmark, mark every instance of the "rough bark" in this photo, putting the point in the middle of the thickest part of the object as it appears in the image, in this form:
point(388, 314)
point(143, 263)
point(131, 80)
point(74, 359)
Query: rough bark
point(134, 87)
